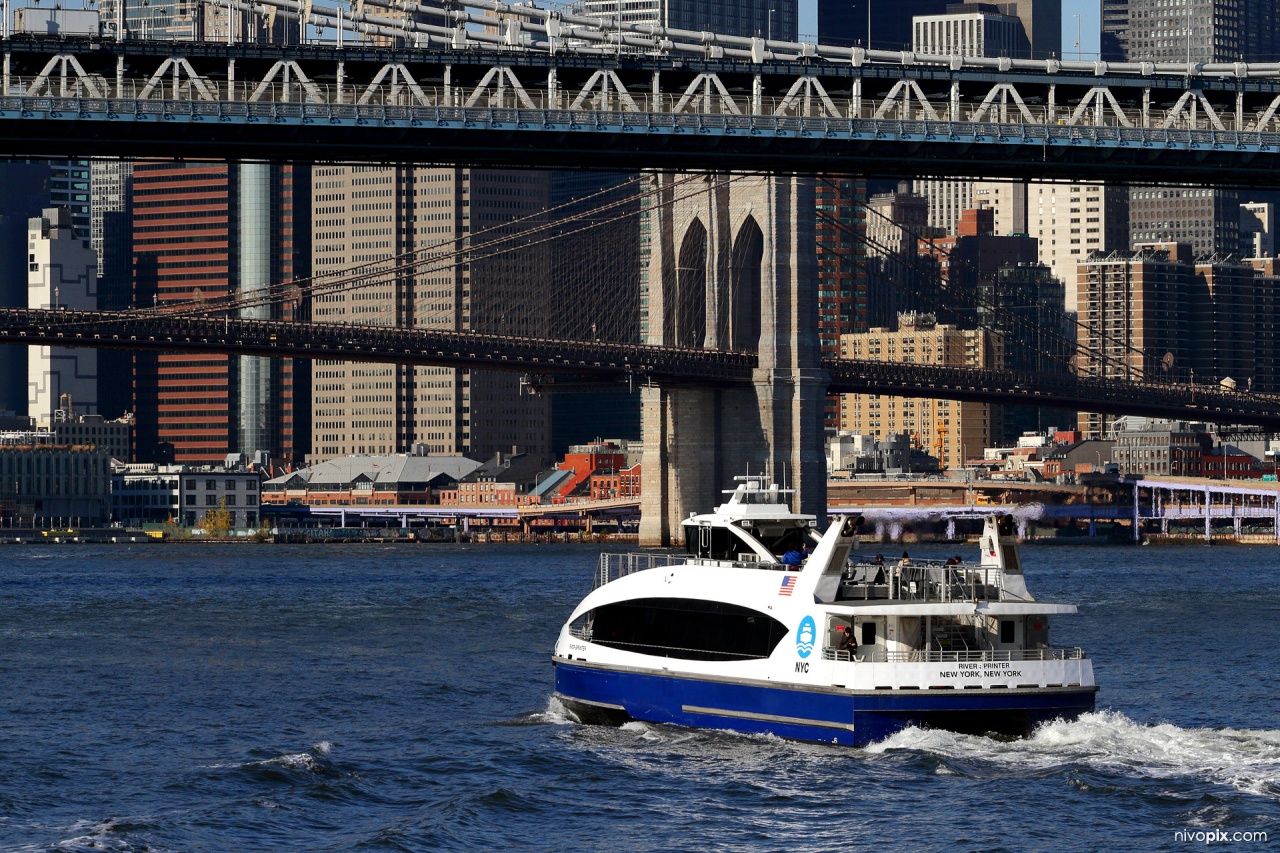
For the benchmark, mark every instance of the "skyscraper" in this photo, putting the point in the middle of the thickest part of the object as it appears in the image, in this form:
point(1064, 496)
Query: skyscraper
point(1191, 31)
point(1073, 221)
point(843, 293)
point(61, 273)
point(24, 193)
point(948, 429)
point(409, 229)
point(888, 26)
point(203, 232)
point(1132, 307)
point(177, 20)
point(980, 29)
point(763, 18)
point(866, 23)
point(111, 235)
point(69, 189)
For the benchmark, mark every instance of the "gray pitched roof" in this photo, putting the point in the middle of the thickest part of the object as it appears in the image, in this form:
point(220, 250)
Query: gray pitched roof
point(379, 470)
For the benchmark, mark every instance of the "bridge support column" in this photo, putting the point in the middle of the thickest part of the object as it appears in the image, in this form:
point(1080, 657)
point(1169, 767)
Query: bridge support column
point(733, 266)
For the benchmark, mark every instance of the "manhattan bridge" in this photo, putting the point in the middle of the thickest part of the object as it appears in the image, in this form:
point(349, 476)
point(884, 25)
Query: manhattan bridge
point(492, 84)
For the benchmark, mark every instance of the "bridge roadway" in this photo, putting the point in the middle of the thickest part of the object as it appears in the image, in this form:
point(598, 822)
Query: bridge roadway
point(604, 361)
point(543, 88)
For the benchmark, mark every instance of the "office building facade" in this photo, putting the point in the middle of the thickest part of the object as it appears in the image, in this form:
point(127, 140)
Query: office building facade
point(945, 428)
point(203, 234)
point(62, 273)
point(843, 292)
point(382, 218)
point(1132, 307)
point(24, 194)
point(751, 18)
point(1200, 31)
point(1072, 221)
point(981, 29)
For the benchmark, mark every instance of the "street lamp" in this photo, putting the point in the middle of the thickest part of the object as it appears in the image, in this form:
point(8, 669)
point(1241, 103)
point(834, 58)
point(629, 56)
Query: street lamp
point(1077, 17)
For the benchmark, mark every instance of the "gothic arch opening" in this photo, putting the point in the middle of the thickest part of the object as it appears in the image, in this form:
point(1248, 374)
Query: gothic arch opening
point(685, 311)
point(741, 318)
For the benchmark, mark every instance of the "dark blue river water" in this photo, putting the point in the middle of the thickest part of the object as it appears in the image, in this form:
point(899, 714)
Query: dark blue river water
point(227, 698)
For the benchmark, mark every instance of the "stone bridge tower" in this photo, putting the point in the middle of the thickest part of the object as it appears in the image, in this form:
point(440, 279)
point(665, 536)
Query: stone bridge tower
point(732, 265)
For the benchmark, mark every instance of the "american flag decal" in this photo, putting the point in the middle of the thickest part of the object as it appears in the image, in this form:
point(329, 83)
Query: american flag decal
point(788, 584)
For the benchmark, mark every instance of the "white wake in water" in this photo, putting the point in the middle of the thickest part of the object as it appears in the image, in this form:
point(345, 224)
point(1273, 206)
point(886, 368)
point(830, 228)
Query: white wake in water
point(556, 714)
point(1245, 759)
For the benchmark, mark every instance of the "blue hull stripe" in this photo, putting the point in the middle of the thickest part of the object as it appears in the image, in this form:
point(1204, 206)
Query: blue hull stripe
point(791, 712)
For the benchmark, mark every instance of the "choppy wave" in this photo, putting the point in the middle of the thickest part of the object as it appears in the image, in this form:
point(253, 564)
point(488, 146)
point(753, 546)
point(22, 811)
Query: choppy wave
point(315, 761)
point(1247, 760)
point(99, 835)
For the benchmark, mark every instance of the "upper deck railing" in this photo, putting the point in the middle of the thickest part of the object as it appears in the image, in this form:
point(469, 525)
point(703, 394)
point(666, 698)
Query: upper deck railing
point(933, 581)
point(969, 656)
point(614, 566)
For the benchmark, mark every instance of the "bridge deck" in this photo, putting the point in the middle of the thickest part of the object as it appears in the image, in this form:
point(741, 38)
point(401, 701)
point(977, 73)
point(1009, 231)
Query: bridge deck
point(621, 362)
point(781, 108)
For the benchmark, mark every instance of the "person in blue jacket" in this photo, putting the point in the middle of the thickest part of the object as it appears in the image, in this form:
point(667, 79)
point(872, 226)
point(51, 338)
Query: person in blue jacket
point(795, 557)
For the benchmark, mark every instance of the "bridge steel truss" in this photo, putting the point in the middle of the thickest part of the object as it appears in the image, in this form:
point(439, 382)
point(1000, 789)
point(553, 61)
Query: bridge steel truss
point(159, 332)
point(546, 90)
point(597, 361)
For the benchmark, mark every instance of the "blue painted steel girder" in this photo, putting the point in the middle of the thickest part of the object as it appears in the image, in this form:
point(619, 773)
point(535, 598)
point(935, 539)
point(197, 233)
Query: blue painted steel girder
point(48, 127)
point(1148, 126)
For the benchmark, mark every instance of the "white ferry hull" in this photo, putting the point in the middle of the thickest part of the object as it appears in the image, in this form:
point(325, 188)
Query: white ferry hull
point(613, 694)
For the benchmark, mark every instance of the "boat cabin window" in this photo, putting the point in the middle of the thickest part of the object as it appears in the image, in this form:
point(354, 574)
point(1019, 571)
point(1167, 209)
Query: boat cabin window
point(687, 628)
point(780, 540)
point(713, 543)
point(1008, 634)
point(868, 634)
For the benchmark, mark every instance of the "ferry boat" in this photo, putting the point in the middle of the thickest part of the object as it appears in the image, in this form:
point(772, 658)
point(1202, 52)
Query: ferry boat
point(839, 649)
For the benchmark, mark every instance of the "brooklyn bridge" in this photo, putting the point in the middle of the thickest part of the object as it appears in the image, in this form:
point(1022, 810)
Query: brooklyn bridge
point(725, 347)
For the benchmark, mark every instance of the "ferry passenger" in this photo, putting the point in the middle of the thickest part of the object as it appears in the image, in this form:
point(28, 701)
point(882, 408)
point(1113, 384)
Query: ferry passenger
point(847, 642)
point(794, 557)
point(906, 559)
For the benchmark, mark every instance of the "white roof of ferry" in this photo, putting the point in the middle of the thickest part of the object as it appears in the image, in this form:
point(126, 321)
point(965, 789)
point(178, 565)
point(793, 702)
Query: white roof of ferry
point(751, 500)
